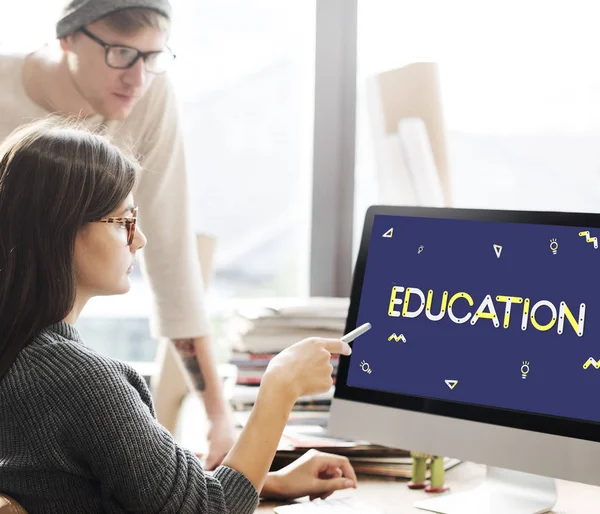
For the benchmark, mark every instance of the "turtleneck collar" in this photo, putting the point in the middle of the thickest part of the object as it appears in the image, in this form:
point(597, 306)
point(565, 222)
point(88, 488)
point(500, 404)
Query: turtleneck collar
point(65, 330)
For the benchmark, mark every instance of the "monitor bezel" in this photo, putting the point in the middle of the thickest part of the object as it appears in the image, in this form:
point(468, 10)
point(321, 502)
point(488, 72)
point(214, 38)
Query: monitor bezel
point(567, 427)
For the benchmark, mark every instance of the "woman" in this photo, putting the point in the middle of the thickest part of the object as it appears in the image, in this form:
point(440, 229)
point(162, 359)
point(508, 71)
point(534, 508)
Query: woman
point(77, 429)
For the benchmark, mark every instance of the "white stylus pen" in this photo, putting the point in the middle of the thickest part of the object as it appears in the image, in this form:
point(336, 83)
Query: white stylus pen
point(358, 331)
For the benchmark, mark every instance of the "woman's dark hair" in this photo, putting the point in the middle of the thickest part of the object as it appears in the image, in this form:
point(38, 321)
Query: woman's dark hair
point(54, 179)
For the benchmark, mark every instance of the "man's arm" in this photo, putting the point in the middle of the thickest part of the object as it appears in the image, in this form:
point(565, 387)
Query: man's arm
point(186, 348)
point(204, 377)
point(199, 362)
point(171, 260)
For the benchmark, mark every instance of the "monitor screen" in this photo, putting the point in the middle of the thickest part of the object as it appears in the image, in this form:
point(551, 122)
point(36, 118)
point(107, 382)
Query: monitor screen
point(501, 314)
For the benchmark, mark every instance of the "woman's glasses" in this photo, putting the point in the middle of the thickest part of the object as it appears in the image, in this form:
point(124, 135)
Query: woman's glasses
point(129, 222)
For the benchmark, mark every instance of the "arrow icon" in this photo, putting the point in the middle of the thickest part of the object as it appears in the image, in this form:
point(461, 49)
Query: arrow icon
point(389, 233)
point(451, 383)
point(498, 250)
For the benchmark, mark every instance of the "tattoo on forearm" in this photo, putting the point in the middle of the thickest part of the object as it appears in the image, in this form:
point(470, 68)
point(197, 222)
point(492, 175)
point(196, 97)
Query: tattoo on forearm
point(187, 352)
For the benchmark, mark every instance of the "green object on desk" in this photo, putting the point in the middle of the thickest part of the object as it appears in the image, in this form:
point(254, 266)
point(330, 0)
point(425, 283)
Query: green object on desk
point(419, 473)
point(436, 483)
point(437, 472)
point(419, 470)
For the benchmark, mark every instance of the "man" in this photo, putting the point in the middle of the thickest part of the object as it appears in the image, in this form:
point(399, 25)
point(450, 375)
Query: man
point(108, 70)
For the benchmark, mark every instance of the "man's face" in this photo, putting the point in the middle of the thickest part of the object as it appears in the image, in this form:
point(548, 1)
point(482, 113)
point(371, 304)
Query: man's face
point(111, 92)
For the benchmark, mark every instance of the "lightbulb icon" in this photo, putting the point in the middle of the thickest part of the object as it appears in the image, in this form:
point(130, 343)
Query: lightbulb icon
point(554, 246)
point(524, 369)
point(365, 367)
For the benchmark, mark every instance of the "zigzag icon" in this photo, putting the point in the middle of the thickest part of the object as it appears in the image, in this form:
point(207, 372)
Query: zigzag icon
point(397, 338)
point(591, 362)
point(589, 239)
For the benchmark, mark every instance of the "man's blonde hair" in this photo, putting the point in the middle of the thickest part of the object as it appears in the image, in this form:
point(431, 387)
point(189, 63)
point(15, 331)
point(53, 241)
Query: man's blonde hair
point(128, 21)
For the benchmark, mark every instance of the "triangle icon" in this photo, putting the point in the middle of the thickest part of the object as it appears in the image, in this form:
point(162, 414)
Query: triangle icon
point(451, 383)
point(389, 233)
point(498, 250)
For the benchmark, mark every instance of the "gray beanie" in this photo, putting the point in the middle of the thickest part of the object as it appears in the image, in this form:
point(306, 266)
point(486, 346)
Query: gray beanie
point(78, 13)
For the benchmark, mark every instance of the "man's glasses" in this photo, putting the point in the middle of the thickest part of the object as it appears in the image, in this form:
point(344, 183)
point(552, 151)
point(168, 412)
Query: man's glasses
point(122, 57)
point(129, 222)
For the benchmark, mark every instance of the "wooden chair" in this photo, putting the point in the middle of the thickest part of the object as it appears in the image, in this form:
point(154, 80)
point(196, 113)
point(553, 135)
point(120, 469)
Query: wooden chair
point(10, 506)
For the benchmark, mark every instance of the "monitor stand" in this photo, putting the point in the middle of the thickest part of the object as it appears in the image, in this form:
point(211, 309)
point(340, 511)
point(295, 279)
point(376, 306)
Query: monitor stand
point(503, 491)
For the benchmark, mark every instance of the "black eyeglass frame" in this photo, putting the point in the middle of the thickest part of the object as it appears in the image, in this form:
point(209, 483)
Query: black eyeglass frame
point(139, 54)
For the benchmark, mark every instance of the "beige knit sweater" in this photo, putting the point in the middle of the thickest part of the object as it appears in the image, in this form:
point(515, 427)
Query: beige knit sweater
point(153, 133)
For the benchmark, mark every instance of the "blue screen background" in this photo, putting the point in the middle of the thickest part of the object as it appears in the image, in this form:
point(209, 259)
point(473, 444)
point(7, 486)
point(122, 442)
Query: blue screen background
point(458, 256)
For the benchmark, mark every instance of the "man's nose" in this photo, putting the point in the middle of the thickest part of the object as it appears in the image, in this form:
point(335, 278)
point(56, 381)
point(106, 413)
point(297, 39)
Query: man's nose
point(136, 75)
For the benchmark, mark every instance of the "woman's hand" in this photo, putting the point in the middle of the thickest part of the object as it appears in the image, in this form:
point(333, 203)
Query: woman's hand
point(315, 474)
point(301, 369)
point(305, 367)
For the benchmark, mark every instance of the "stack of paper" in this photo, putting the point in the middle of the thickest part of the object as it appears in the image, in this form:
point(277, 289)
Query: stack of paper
point(309, 430)
point(366, 459)
point(244, 397)
point(271, 327)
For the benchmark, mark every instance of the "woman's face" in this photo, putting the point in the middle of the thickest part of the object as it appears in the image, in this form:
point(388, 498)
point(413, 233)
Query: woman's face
point(103, 259)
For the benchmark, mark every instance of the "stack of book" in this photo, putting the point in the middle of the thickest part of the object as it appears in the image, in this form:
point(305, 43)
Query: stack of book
point(366, 459)
point(305, 431)
point(251, 367)
point(244, 398)
point(260, 331)
point(270, 327)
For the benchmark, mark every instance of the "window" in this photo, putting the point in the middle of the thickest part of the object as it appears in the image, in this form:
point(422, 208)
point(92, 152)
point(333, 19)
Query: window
point(245, 73)
point(520, 95)
point(245, 77)
point(19, 30)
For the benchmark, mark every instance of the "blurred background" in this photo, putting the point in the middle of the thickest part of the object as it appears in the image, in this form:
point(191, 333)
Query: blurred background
point(519, 103)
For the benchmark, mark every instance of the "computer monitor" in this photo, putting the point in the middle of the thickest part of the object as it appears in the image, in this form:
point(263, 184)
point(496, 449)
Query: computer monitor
point(485, 346)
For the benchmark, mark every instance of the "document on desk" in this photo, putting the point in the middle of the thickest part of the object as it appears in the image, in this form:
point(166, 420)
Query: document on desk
point(347, 505)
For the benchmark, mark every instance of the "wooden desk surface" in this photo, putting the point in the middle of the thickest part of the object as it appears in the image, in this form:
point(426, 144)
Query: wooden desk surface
point(393, 497)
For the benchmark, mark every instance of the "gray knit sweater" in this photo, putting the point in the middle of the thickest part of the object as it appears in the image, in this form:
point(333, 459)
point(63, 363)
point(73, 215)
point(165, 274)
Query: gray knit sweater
point(78, 434)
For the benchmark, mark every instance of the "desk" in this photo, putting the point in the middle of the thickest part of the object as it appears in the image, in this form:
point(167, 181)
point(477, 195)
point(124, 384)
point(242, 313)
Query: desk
point(393, 497)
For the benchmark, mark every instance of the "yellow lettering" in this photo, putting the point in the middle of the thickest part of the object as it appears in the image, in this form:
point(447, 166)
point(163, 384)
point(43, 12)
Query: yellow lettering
point(436, 317)
point(395, 301)
point(419, 293)
point(451, 315)
point(509, 301)
point(486, 310)
point(548, 325)
point(565, 311)
point(489, 304)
